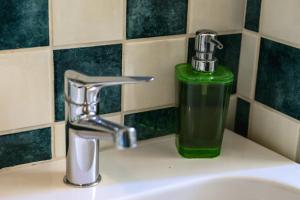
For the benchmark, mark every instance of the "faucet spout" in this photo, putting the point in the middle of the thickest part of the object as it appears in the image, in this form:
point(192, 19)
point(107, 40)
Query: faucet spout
point(85, 128)
point(124, 137)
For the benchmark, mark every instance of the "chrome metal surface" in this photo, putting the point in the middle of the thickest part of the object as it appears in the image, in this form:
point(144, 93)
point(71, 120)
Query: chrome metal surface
point(84, 127)
point(205, 45)
point(83, 185)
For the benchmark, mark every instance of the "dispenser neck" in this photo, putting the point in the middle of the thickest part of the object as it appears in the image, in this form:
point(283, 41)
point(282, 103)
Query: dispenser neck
point(205, 45)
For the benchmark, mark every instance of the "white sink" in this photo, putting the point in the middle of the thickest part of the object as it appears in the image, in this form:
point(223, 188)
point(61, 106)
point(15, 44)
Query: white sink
point(227, 189)
point(154, 170)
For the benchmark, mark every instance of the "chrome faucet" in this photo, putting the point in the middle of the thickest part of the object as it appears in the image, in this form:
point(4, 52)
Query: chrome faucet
point(84, 127)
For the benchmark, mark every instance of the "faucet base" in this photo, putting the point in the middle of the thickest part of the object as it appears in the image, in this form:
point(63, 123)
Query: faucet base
point(66, 181)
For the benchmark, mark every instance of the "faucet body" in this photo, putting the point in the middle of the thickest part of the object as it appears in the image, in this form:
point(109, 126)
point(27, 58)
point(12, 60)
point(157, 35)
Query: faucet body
point(84, 127)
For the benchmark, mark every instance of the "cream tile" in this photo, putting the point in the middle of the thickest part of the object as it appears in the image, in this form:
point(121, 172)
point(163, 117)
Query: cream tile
point(274, 131)
point(26, 86)
point(83, 21)
point(231, 113)
point(280, 19)
point(114, 118)
point(247, 66)
point(152, 58)
point(218, 15)
point(60, 139)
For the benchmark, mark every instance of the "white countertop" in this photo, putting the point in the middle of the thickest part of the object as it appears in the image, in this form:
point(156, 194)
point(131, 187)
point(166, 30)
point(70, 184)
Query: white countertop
point(153, 165)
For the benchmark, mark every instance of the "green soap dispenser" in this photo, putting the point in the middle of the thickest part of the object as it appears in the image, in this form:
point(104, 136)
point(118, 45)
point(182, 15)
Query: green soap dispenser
point(204, 93)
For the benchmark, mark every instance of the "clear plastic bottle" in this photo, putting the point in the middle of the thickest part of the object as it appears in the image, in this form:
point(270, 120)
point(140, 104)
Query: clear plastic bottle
point(204, 93)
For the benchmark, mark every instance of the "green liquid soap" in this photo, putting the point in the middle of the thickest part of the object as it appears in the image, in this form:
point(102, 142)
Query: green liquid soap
point(203, 103)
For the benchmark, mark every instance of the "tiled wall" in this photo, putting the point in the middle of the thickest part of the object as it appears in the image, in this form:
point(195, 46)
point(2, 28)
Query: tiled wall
point(268, 108)
point(40, 39)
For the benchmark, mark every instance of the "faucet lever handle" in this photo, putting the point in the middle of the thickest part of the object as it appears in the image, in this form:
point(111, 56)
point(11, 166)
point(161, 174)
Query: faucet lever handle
point(84, 90)
point(102, 81)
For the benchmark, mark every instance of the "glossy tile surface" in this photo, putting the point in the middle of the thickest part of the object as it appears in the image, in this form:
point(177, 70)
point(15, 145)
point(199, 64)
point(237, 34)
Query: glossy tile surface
point(153, 58)
point(84, 21)
point(218, 15)
point(252, 15)
point(248, 65)
point(278, 77)
point(231, 113)
point(280, 19)
point(149, 18)
point(23, 24)
point(229, 56)
point(60, 139)
point(92, 61)
point(26, 87)
point(25, 147)
point(274, 131)
point(153, 123)
point(242, 117)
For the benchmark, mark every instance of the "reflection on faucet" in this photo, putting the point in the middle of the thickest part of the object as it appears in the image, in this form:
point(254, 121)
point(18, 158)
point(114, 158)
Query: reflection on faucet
point(124, 137)
point(84, 127)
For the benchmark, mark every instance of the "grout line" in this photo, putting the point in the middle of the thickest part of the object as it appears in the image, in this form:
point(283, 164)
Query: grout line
point(188, 17)
point(245, 13)
point(111, 114)
point(88, 44)
point(285, 42)
point(254, 78)
point(53, 149)
point(50, 15)
point(276, 112)
point(244, 98)
point(123, 59)
point(249, 32)
point(52, 90)
point(188, 24)
point(233, 98)
point(255, 68)
point(124, 19)
point(261, 16)
point(297, 159)
point(149, 109)
point(158, 38)
point(229, 32)
point(52, 83)
point(238, 70)
point(24, 50)
point(25, 129)
point(122, 74)
point(59, 123)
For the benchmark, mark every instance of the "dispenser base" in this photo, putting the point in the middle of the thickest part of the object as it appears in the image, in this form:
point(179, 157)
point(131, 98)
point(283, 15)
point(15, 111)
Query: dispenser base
point(188, 152)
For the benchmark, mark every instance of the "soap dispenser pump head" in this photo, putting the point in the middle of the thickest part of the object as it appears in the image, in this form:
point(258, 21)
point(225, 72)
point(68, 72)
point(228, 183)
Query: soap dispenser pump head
point(205, 45)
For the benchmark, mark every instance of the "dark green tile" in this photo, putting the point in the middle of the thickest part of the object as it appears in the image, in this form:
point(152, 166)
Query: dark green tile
point(153, 123)
point(228, 56)
point(25, 147)
point(149, 18)
point(278, 77)
point(253, 15)
point(92, 61)
point(242, 117)
point(23, 24)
